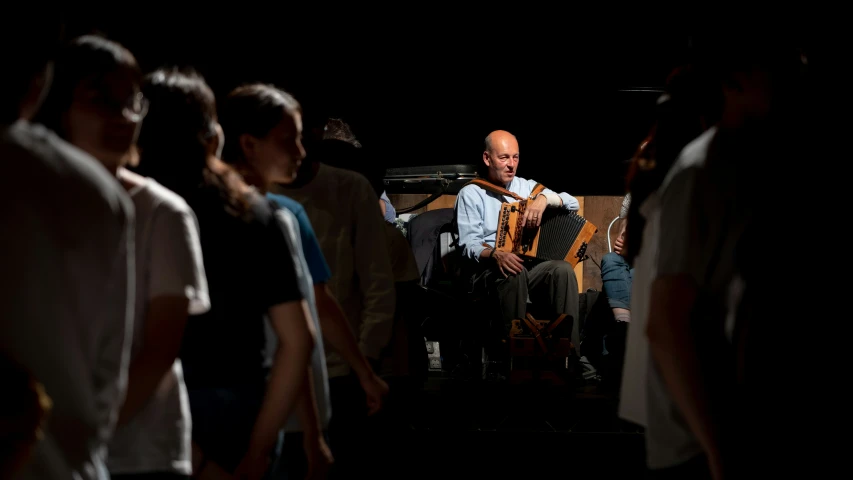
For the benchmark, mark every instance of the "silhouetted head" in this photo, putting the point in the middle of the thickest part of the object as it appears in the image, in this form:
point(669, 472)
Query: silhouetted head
point(95, 101)
point(180, 131)
point(759, 71)
point(30, 38)
point(340, 148)
point(337, 129)
point(690, 104)
point(264, 127)
point(500, 155)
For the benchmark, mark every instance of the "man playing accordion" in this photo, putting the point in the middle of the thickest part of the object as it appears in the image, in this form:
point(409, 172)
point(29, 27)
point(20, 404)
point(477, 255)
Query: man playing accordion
point(514, 280)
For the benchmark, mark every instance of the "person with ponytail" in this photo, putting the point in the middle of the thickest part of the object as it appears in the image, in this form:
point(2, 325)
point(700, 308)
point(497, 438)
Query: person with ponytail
point(242, 388)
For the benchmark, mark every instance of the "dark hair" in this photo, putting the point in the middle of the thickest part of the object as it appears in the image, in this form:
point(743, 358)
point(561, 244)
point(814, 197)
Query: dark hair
point(177, 130)
point(30, 40)
point(174, 139)
point(86, 57)
point(692, 102)
point(255, 110)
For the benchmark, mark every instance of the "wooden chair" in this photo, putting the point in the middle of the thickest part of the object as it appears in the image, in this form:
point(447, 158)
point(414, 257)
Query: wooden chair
point(540, 350)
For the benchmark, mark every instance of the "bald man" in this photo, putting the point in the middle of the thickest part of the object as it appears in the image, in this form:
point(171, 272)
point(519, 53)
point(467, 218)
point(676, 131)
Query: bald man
point(514, 280)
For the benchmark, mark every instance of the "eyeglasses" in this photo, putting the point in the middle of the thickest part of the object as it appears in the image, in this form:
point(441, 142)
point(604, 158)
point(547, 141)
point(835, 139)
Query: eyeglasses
point(135, 108)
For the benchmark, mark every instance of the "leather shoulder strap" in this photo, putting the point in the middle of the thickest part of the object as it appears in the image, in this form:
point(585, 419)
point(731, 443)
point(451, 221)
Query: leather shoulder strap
point(493, 188)
point(536, 190)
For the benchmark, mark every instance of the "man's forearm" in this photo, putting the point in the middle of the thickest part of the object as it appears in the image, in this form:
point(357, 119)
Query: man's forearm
point(673, 349)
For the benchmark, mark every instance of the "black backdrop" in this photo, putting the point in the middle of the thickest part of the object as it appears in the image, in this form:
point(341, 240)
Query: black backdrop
point(427, 92)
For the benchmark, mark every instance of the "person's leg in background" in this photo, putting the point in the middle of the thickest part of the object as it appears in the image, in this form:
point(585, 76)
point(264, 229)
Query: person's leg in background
point(616, 279)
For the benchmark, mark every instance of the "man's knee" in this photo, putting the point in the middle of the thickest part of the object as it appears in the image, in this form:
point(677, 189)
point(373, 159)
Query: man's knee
point(516, 280)
point(611, 258)
point(562, 270)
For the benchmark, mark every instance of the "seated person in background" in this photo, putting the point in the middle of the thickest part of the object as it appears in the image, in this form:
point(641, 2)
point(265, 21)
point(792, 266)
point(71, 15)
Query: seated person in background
point(388, 210)
point(616, 274)
point(476, 216)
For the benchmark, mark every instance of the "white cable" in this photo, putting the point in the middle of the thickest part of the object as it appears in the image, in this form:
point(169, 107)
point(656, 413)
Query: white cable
point(609, 246)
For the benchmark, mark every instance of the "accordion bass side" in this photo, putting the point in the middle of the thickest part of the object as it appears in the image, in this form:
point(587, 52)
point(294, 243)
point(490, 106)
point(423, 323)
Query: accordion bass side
point(561, 235)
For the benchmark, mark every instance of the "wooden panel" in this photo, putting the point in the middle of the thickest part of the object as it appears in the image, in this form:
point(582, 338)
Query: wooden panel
point(579, 268)
point(600, 210)
point(444, 201)
point(405, 200)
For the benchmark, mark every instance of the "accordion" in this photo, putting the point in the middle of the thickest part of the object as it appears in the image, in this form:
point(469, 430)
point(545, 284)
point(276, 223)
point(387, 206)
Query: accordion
point(561, 235)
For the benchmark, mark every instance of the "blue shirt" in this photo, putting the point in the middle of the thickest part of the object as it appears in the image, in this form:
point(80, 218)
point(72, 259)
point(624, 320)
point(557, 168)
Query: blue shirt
point(317, 265)
point(318, 356)
point(390, 212)
point(477, 213)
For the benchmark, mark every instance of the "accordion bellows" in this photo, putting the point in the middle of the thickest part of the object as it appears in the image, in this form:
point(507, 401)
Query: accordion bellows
point(561, 235)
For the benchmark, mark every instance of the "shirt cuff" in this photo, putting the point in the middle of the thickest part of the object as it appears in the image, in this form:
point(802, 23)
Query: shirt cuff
point(569, 202)
point(554, 200)
point(476, 251)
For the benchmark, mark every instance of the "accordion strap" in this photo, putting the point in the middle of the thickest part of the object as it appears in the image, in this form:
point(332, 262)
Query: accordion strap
point(491, 187)
point(536, 190)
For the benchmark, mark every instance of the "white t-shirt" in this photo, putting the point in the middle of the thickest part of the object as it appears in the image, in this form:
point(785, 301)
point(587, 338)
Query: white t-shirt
point(168, 263)
point(632, 402)
point(66, 292)
point(687, 232)
point(645, 399)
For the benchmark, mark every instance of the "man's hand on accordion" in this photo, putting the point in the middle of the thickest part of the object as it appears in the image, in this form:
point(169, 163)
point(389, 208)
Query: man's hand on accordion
point(533, 213)
point(508, 263)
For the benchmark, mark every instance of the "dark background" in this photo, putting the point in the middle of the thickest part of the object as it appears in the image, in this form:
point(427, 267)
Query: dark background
point(426, 91)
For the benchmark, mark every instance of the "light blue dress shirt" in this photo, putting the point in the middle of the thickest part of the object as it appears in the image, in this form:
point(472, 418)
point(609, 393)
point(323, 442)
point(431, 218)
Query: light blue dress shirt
point(477, 213)
point(390, 211)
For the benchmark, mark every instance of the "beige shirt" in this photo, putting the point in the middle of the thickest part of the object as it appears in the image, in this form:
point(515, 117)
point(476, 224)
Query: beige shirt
point(343, 209)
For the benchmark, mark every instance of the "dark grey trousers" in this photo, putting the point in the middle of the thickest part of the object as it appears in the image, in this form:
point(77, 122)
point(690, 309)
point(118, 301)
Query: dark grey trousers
point(551, 286)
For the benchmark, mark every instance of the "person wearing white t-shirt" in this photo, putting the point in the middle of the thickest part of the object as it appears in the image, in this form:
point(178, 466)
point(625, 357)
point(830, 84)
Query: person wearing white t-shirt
point(153, 435)
point(66, 293)
point(684, 112)
point(704, 207)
